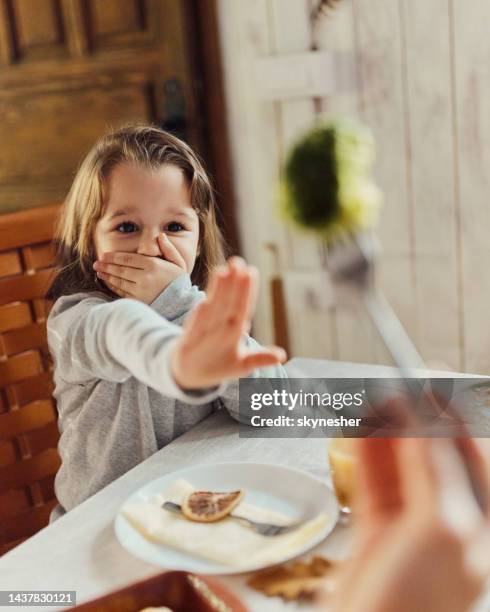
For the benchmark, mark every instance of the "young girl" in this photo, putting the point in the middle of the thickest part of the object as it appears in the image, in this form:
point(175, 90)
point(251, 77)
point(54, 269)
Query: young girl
point(141, 353)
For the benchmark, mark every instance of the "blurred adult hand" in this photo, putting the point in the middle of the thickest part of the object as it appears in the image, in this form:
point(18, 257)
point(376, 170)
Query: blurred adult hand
point(422, 543)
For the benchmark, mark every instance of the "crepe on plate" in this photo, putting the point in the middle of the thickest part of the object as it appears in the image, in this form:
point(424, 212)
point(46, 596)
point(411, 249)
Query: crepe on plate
point(228, 541)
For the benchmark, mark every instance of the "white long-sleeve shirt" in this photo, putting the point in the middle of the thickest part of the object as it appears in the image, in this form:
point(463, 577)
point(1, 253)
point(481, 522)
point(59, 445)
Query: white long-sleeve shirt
point(117, 400)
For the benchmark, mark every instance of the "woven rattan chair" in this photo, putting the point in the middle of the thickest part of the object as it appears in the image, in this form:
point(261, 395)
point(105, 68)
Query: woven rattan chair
point(28, 418)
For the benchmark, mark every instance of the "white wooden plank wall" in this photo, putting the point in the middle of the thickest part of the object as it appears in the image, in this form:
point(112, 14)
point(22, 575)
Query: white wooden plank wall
point(423, 85)
point(312, 328)
point(246, 36)
point(431, 190)
point(380, 61)
point(356, 338)
point(471, 81)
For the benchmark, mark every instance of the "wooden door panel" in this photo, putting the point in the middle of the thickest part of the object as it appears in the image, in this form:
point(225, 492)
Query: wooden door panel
point(57, 128)
point(112, 19)
point(37, 29)
point(73, 69)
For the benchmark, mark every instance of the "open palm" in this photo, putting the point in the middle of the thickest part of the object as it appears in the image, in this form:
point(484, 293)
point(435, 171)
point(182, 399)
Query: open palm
point(212, 348)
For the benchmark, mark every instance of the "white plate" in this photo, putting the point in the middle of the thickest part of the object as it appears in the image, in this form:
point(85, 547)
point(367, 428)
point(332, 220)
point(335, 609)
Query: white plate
point(290, 491)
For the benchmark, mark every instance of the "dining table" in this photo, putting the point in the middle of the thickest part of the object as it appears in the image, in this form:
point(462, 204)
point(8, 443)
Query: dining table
point(80, 552)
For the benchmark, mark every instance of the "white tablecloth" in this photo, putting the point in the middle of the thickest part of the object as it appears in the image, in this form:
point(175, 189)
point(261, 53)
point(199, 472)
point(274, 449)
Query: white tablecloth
point(79, 551)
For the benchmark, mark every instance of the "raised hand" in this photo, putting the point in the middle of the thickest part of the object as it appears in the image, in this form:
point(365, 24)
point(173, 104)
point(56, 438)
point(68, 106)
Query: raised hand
point(421, 541)
point(212, 347)
point(141, 277)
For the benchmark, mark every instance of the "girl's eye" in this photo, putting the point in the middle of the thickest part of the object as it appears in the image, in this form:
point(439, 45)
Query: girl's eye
point(174, 227)
point(126, 227)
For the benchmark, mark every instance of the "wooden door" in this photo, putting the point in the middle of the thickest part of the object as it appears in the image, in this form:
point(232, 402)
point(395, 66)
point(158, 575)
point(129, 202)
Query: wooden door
point(72, 69)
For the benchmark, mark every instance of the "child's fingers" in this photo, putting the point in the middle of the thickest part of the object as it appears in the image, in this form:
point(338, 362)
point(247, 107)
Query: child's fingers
point(133, 260)
point(272, 355)
point(196, 323)
point(232, 293)
point(247, 302)
point(215, 276)
point(228, 299)
point(129, 274)
point(122, 284)
point(118, 290)
point(169, 251)
point(253, 293)
point(237, 315)
point(242, 308)
point(242, 296)
point(223, 294)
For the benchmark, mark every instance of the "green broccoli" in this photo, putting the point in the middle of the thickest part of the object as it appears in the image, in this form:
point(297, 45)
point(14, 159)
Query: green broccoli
point(326, 185)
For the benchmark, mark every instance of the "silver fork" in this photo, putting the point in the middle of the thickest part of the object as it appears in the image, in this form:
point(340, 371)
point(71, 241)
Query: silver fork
point(351, 261)
point(265, 529)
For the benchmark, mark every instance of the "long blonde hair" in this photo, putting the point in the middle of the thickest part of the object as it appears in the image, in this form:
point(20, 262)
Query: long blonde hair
point(149, 147)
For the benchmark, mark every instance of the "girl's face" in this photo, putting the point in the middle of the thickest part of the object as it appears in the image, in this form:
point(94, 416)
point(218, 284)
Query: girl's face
point(140, 204)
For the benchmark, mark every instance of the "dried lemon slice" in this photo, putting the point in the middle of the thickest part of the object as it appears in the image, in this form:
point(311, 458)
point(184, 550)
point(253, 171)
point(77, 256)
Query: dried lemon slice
point(210, 506)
